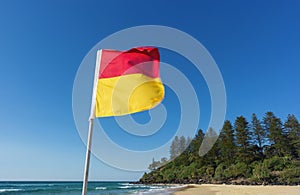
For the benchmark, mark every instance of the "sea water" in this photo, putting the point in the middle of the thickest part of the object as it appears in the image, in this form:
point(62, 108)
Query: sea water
point(74, 188)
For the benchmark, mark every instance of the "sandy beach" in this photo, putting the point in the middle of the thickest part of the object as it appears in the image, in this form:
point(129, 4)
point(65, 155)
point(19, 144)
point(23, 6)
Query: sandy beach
point(210, 189)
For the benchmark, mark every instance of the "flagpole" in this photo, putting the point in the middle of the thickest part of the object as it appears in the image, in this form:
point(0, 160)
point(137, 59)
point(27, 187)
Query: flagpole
point(87, 158)
point(91, 125)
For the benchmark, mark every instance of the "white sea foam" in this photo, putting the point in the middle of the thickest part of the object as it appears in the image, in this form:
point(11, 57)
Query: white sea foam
point(136, 186)
point(153, 192)
point(126, 184)
point(10, 190)
point(101, 188)
point(125, 187)
point(141, 189)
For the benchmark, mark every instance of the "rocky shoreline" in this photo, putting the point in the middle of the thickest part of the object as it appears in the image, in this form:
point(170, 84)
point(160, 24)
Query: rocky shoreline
point(230, 182)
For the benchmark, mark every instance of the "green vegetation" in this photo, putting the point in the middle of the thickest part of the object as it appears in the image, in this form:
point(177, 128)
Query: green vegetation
point(260, 152)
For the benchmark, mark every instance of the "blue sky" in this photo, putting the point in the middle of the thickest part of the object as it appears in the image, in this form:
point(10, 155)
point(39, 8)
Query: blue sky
point(42, 43)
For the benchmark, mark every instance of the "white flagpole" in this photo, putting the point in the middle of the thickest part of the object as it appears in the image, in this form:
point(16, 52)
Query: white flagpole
point(87, 158)
point(91, 125)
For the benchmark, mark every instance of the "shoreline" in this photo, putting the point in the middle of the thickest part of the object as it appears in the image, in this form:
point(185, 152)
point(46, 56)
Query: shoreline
point(224, 189)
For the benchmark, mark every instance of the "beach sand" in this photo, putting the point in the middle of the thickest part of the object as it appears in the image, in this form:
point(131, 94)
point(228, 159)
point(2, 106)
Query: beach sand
point(211, 189)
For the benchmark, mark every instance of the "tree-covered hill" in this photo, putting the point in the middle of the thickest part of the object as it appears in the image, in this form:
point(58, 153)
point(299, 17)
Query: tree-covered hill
point(263, 151)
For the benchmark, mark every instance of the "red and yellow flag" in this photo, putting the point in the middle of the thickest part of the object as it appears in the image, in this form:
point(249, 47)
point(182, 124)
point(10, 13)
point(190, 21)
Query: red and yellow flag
point(126, 82)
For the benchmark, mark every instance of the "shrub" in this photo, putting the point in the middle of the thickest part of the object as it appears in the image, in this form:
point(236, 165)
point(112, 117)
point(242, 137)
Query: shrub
point(219, 173)
point(237, 170)
point(261, 172)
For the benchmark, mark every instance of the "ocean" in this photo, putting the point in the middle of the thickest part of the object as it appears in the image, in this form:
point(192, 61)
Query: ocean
point(74, 188)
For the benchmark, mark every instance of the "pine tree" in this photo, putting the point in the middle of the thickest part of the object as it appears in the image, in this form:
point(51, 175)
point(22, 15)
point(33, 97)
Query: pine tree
point(154, 165)
point(196, 142)
point(292, 129)
point(163, 161)
point(242, 138)
point(276, 136)
point(182, 144)
point(269, 116)
point(188, 142)
point(259, 136)
point(210, 147)
point(227, 146)
point(174, 150)
point(208, 142)
point(269, 149)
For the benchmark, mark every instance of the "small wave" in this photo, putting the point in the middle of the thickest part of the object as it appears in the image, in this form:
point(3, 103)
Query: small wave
point(125, 187)
point(156, 187)
point(125, 184)
point(101, 188)
point(153, 192)
point(133, 186)
point(10, 190)
point(159, 189)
